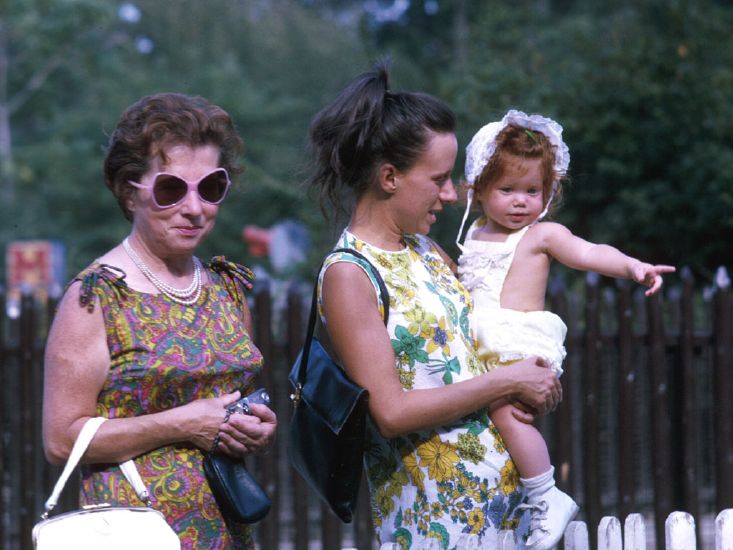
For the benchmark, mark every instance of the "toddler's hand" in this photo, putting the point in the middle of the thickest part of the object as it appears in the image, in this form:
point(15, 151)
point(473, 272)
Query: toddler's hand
point(650, 275)
point(523, 412)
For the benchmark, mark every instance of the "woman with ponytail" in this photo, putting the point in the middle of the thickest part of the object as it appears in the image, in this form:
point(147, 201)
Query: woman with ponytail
point(436, 466)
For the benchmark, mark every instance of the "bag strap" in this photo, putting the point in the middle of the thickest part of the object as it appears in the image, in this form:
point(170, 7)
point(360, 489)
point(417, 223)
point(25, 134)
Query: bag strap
point(314, 307)
point(77, 451)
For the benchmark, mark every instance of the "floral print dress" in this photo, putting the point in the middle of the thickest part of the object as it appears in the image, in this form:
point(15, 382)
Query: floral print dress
point(452, 480)
point(164, 355)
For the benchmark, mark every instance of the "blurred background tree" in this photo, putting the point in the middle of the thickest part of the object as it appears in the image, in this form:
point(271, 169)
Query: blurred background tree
point(643, 89)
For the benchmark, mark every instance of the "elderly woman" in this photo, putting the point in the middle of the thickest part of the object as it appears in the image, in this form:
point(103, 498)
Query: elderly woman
point(154, 339)
point(436, 466)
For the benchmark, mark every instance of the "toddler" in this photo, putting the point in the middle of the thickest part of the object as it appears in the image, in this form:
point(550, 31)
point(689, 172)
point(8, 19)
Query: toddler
point(514, 169)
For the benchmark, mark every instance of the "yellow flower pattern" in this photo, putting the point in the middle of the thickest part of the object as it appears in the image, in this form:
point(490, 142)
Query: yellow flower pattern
point(414, 471)
point(421, 322)
point(450, 480)
point(438, 457)
point(476, 520)
point(509, 478)
point(439, 338)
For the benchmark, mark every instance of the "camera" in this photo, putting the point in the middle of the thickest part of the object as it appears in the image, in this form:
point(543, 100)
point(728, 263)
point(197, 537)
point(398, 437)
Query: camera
point(259, 396)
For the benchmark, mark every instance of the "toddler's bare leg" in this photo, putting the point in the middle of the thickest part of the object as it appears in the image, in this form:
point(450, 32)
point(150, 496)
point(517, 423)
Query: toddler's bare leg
point(526, 445)
point(550, 509)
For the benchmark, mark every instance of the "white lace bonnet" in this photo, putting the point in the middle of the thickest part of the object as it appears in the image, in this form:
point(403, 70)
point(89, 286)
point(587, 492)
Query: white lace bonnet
point(483, 145)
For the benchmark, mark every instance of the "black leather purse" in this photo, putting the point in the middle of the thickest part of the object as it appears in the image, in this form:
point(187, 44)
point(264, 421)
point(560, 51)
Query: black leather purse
point(326, 437)
point(239, 496)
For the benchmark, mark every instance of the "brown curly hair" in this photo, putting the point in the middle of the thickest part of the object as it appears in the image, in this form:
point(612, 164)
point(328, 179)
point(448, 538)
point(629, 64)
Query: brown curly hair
point(157, 122)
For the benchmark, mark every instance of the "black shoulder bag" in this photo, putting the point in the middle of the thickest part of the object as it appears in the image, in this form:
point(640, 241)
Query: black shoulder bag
point(326, 439)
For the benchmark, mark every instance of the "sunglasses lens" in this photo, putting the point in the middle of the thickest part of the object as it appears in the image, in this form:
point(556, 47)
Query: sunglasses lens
point(169, 190)
point(213, 187)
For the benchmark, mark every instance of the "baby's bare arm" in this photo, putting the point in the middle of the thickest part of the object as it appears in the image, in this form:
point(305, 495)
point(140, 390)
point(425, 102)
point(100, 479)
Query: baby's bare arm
point(577, 253)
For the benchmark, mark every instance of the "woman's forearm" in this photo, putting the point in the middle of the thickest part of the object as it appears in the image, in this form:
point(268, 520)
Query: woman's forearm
point(120, 439)
point(423, 409)
point(417, 410)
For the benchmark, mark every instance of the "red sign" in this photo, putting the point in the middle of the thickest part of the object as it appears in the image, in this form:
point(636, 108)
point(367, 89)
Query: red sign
point(33, 266)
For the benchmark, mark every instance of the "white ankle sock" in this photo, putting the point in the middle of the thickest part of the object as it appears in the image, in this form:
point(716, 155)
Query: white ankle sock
point(545, 480)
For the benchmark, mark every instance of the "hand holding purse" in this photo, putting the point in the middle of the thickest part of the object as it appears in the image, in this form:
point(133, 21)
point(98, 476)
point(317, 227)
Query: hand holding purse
point(237, 493)
point(103, 525)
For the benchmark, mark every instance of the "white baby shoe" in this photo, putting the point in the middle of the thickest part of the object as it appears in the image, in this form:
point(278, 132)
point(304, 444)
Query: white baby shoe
point(550, 511)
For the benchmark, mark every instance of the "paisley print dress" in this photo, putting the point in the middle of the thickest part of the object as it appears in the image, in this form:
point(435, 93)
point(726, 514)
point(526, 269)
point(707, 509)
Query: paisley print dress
point(450, 481)
point(164, 355)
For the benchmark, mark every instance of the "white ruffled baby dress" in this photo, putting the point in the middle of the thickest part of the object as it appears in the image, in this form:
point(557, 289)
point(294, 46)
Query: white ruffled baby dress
point(505, 335)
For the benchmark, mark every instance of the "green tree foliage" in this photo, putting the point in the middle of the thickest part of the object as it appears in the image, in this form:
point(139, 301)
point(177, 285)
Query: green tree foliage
point(642, 88)
point(265, 62)
point(55, 54)
point(268, 64)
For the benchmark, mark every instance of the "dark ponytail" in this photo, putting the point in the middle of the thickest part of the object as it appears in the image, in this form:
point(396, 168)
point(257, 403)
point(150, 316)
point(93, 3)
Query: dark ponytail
point(365, 126)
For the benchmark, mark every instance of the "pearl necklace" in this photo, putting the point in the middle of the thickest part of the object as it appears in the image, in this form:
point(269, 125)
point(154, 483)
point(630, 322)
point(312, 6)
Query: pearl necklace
point(184, 296)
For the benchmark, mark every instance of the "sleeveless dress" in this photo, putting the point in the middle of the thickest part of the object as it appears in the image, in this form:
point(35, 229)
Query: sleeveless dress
point(164, 355)
point(505, 335)
point(452, 480)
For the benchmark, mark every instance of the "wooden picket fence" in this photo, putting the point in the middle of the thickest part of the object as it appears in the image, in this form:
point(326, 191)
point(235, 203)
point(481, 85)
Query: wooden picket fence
point(679, 534)
point(645, 426)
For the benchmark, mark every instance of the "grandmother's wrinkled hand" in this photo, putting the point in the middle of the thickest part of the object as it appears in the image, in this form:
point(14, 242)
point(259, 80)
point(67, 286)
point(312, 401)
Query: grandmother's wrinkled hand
point(201, 419)
point(243, 434)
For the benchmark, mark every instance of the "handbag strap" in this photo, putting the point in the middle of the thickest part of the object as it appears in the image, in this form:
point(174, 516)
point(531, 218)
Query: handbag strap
point(77, 451)
point(314, 307)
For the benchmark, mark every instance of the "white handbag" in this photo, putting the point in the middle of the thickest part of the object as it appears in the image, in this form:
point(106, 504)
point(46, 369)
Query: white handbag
point(103, 527)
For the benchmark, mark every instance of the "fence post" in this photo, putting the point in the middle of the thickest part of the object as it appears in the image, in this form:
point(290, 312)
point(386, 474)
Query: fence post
point(300, 489)
point(723, 389)
point(4, 418)
point(634, 532)
point(363, 517)
point(28, 448)
point(627, 400)
point(609, 534)
point(680, 532)
point(591, 409)
point(576, 536)
point(40, 466)
point(724, 530)
point(661, 416)
point(562, 432)
point(688, 389)
point(269, 528)
point(330, 529)
point(51, 473)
